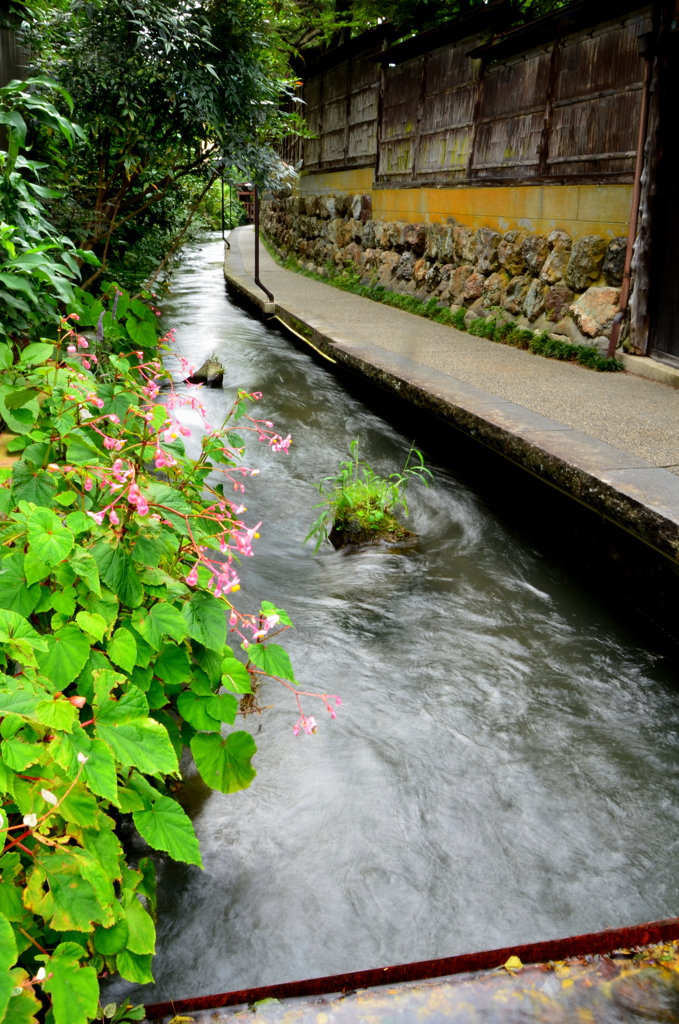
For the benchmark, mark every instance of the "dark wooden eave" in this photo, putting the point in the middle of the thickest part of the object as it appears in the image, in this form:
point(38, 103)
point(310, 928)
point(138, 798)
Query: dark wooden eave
point(572, 18)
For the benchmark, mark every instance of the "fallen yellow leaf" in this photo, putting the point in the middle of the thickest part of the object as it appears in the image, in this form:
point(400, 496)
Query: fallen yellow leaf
point(513, 964)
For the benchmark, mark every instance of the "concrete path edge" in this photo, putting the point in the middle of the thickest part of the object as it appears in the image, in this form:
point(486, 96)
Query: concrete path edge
point(629, 491)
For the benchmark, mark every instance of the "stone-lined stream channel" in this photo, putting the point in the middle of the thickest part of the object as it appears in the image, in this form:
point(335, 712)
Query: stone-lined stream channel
point(505, 766)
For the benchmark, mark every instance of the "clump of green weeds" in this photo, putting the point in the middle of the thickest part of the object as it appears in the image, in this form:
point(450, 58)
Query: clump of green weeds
point(358, 495)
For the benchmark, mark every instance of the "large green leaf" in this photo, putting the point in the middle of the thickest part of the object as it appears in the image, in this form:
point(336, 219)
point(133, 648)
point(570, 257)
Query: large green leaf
point(93, 624)
point(98, 770)
point(172, 665)
point(165, 826)
point(23, 1008)
point(142, 931)
point(74, 989)
point(142, 332)
point(19, 755)
point(21, 637)
point(67, 651)
point(224, 763)
point(110, 941)
point(272, 659)
point(57, 714)
point(194, 709)
point(15, 593)
point(118, 572)
point(161, 620)
point(206, 620)
point(122, 650)
point(135, 967)
point(223, 708)
point(235, 676)
point(84, 565)
point(49, 538)
point(31, 484)
point(8, 955)
point(70, 903)
point(136, 740)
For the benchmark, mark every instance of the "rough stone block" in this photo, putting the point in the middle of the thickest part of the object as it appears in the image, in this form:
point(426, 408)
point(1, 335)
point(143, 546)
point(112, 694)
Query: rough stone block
point(433, 277)
point(487, 242)
point(458, 279)
point(567, 328)
point(369, 235)
point(557, 300)
point(554, 267)
point(586, 259)
point(327, 207)
point(356, 205)
point(494, 287)
point(355, 253)
point(446, 245)
point(560, 241)
point(420, 268)
point(415, 236)
point(515, 294)
point(535, 250)
point(614, 261)
point(510, 252)
point(593, 312)
point(534, 303)
point(465, 244)
point(473, 288)
point(405, 267)
point(393, 236)
point(432, 247)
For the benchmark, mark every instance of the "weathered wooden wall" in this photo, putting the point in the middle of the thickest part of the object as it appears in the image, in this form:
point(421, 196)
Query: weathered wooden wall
point(12, 57)
point(565, 111)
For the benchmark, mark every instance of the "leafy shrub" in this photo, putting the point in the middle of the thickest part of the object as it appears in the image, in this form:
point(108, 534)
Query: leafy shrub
point(357, 493)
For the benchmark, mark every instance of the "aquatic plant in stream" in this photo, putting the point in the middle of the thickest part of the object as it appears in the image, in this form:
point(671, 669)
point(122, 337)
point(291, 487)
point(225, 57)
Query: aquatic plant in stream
point(118, 572)
point(358, 498)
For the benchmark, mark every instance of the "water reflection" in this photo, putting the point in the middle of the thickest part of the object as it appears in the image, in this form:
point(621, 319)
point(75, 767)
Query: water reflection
point(505, 766)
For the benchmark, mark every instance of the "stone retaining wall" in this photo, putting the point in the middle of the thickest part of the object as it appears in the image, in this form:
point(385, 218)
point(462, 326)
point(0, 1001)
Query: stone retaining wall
point(570, 287)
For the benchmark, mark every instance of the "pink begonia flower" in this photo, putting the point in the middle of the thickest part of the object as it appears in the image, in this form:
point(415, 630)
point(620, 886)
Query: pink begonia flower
point(71, 349)
point(94, 359)
point(86, 364)
point(113, 418)
point(53, 468)
point(113, 517)
point(338, 700)
point(233, 618)
point(310, 724)
point(88, 484)
point(192, 578)
point(97, 516)
point(142, 507)
point(184, 431)
point(83, 343)
point(78, 702)
point(110, 443)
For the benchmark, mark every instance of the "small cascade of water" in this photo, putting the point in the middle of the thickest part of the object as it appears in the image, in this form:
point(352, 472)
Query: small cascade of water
point(505, 765)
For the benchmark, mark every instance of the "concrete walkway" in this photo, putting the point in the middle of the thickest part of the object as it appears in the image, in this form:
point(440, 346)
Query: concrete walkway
point(609, 439)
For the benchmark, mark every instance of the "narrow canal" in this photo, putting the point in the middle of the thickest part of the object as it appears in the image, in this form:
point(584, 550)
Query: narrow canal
point(505, 765)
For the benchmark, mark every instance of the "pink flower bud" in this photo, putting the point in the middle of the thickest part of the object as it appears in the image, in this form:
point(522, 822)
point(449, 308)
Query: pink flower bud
point(113, 517)
point(192, 578)
point(71, 349)
point(88, 484)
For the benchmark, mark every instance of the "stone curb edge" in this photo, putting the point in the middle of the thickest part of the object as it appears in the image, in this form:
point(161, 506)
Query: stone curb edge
point(632, 493)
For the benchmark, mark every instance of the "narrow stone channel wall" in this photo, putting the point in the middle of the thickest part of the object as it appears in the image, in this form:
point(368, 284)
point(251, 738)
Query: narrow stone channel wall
point(569, 287)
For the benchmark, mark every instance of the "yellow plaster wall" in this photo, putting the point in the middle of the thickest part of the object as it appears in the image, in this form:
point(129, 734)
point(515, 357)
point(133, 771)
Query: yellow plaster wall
point(358, 179)
point(577, 209)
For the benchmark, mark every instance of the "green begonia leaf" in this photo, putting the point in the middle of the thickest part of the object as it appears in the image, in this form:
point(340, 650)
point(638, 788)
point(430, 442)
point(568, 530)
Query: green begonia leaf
point(142, 931)
point(193, 708)
point(93, 624)
point(71, 902)
point(206, 620)
point(31, 484)
point(24, 1008)
point(67, 651)
point(224, 763)
point(8, 956)
point(16, 594)
point(122, 649)
point(57, 714)
point(74, 989)
point(224, 708)
point(165, 826)
point(110, 941)
point(138, 742)
point(35, 570)
point(269, 609)
point(84, 565)
point(235, 676)
point(135, 967)
point(172, 665)
point(19, 755)
point(272, 659)
point(118, 572)
point(48, 537)
point(161, 620)
point(98, 771)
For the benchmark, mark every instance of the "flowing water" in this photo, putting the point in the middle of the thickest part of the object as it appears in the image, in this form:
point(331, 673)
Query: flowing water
point(505, 764)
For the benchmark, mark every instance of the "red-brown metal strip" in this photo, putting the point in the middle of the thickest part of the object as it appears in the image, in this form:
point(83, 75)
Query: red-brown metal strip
point(532, 953)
